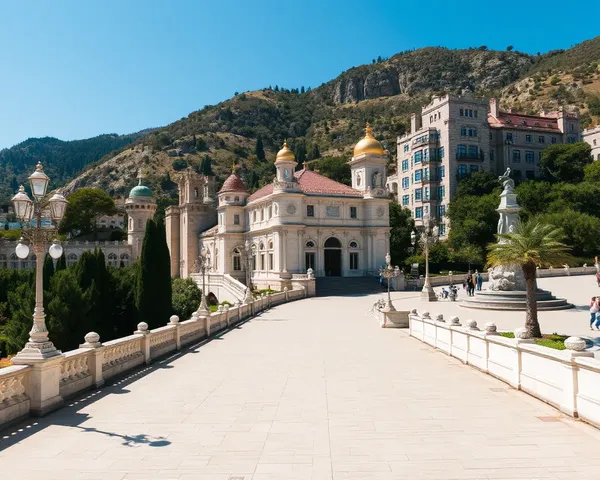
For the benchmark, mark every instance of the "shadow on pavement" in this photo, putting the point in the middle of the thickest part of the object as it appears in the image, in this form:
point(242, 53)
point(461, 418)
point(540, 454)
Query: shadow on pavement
point(69, 415)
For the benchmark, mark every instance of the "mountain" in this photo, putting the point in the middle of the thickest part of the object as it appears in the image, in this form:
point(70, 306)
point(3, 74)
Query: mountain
point(62, 160)
point(328, 120)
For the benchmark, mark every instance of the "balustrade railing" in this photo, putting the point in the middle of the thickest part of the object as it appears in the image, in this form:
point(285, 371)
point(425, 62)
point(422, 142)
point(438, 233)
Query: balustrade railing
point(94, 362)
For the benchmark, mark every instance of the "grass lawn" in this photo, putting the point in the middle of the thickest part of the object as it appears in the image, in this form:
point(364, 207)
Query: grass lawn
point(553, 340)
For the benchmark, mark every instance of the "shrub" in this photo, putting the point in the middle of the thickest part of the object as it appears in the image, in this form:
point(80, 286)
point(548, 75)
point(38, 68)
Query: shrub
point(186, 297)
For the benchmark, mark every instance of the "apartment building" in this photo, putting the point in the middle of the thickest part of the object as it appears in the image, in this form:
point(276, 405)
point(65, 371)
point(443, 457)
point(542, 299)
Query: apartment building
point(517, 140)
point(456, 136)
point(447, 141)
point(592, 136)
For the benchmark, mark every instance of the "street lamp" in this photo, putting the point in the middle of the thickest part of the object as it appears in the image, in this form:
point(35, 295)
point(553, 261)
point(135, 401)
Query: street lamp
point(39, 346)
point(202, 265)
point(388, 272)
point(429, 235)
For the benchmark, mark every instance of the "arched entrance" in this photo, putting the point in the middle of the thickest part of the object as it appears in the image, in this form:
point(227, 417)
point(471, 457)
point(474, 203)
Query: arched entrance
point(333, 257)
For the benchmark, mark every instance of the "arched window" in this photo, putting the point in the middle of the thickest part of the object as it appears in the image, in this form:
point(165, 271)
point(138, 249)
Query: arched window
point(275, 208)
point(131, 224)
point(237, 259)
point(216, 266)
point(310, 244)
point(270, 214)
point(71, 259)
point(333, 242)
point(195, 193)
point(262, 246)
point(124, 260)
point(271, 256)
point(14, 261)
point(270, 244)
point(353, 244)
point(236, 199)
point(112, 259)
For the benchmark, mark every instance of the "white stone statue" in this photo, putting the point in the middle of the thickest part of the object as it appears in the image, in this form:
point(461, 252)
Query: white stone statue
point(377, 178)
point(507, 183)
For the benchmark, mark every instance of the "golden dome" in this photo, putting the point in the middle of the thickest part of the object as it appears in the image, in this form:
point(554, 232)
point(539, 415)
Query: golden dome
point(285, 154)
point(368, 144)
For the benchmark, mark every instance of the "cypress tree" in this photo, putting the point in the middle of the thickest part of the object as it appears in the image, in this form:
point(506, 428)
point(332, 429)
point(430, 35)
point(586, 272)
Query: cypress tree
point(48, 270)
point(61, 263)
point(145, 288)
point(259, 149)
point(166, 288)
point(154, 297)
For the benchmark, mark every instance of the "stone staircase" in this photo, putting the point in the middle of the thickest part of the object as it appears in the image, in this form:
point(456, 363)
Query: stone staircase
point(348, 286)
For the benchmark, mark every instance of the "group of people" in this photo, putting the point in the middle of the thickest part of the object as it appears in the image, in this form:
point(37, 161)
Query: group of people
point(472, 282)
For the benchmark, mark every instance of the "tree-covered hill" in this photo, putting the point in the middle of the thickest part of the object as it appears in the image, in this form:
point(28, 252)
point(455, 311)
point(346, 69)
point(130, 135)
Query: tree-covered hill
point(62, 160)
point(328, 120)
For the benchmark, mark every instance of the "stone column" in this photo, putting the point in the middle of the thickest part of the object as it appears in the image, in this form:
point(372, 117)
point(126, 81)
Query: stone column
point(284, 236)
point(92, 341)
point(300, 250)
point(142, 329)
point(174, 322)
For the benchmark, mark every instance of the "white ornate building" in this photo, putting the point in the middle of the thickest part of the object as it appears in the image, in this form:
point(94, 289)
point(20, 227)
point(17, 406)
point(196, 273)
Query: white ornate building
point(299, 221)
point(139, 206)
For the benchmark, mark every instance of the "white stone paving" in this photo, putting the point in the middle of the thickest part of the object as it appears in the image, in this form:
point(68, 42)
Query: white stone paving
point(310, 390)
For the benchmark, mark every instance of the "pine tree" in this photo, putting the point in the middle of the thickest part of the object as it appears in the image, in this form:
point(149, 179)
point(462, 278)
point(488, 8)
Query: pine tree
point(259, 150)
point(314, 152)
point(302, 89)
point(300, 152)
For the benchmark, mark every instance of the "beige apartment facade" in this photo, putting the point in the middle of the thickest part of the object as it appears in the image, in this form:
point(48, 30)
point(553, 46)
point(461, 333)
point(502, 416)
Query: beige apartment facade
point(518, 140)
point(592, 137)
point(448, 140)
point(455, 136)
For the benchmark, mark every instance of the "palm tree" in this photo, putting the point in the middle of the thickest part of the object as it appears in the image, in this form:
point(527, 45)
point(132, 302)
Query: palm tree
point(532, 245)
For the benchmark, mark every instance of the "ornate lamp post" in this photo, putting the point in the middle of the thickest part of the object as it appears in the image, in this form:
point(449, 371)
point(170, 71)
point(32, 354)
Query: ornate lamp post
point(203, 265)
point(31, 213)
point(429, 235)
point(388, 272)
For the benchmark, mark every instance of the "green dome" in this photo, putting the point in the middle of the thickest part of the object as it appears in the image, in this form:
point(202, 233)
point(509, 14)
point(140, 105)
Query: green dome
point(140, 191)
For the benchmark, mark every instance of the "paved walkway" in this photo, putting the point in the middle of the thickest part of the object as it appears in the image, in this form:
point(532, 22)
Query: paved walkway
point(310, 390)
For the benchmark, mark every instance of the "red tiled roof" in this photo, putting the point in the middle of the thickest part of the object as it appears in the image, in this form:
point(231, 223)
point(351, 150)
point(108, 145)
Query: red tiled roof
point(261, 192)
point(211, 231)
point(526, 122)
point(233, 184)
point(311, 183)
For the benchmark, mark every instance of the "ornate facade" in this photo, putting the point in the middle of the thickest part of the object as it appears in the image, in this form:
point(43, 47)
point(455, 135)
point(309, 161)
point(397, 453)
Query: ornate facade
point(139, 206)
point(300, 221)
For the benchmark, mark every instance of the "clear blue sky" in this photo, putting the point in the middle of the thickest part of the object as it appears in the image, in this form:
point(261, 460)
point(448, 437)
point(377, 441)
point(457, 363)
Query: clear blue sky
point(78, 68)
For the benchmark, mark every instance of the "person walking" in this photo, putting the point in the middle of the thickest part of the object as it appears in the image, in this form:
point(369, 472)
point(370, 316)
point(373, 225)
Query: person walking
point(594, 307)
point(470, 281)
point(478, 280)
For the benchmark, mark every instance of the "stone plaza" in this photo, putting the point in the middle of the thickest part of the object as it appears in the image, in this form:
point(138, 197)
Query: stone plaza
point(314, 389)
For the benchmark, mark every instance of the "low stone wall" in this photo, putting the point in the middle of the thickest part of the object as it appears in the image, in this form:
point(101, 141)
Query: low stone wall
point(94, 362)
point(567, 379)
point(457, 279)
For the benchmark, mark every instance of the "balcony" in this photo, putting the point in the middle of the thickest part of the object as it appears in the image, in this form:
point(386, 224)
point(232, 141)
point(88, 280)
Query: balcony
point(471, 156)
point(431, 178)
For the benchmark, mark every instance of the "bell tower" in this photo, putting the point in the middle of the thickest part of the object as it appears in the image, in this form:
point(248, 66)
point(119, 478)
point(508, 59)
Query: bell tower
point(369, 165)
point(140, 207)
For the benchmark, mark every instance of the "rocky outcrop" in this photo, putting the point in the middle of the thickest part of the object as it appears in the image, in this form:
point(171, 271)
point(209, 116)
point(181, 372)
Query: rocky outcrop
point(431, 69)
